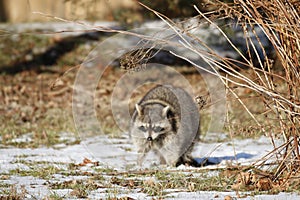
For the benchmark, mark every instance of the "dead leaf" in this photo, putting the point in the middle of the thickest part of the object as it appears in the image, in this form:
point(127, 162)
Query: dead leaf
point(131, 183)
point(57, 83)
point(150, 182)
point(264, 184)
point(191, 186)
point(87, 161)
point(227, 197)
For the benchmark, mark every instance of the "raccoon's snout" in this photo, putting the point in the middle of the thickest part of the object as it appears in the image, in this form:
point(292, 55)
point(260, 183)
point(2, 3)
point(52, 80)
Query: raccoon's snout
point(149, 138)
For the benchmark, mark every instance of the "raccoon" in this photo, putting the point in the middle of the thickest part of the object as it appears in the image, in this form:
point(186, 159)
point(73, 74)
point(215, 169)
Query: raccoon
point(166, 121)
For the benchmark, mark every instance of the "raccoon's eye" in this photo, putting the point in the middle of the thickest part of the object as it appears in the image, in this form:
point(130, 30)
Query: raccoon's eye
point(143, 128)
point(158, 129)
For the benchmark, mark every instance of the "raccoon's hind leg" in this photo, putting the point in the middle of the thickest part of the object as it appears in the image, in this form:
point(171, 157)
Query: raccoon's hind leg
point(187, 160)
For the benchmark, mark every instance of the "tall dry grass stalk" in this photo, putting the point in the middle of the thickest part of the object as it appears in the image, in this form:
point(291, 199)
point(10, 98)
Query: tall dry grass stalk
point(279, 20)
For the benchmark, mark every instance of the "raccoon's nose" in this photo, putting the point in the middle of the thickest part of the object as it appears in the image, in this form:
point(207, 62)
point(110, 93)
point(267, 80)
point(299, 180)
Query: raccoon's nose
point(149, 138)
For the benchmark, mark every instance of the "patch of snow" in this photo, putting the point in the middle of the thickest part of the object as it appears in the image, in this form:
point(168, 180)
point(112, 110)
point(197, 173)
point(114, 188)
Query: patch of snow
point(221, 196)
point(62, 192)
point(240, 151)
point(34, 187)
point(102, 193)
point(23, 138)
point(120, 155)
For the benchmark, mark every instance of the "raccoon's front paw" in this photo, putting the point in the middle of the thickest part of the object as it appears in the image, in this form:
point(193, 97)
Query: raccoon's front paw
point(140, 159)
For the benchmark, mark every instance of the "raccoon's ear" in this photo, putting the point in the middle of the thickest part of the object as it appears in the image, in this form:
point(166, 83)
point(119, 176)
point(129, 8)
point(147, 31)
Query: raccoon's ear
point(138, 109)
point(165, 111)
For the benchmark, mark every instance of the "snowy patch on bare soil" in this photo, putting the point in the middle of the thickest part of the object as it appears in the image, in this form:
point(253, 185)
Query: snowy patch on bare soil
point(107, 160)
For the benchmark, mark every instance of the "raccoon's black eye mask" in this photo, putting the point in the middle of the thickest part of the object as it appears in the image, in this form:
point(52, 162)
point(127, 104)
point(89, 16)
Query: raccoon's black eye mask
point(156, 129)
point(143, 128)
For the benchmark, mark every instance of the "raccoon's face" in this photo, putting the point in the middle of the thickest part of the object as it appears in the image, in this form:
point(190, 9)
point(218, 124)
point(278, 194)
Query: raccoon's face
point(152, 121)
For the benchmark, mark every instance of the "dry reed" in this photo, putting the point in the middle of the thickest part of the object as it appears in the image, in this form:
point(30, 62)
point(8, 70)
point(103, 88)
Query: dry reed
point(274, 78)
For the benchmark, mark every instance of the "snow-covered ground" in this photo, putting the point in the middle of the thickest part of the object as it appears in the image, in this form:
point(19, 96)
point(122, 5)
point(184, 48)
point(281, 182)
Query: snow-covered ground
point(117, 154)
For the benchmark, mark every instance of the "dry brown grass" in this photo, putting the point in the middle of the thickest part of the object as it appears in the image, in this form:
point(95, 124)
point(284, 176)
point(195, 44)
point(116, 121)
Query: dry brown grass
point(279, 20)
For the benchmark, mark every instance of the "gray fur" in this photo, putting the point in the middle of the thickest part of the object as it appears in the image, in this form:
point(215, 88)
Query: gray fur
point(166, 121)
